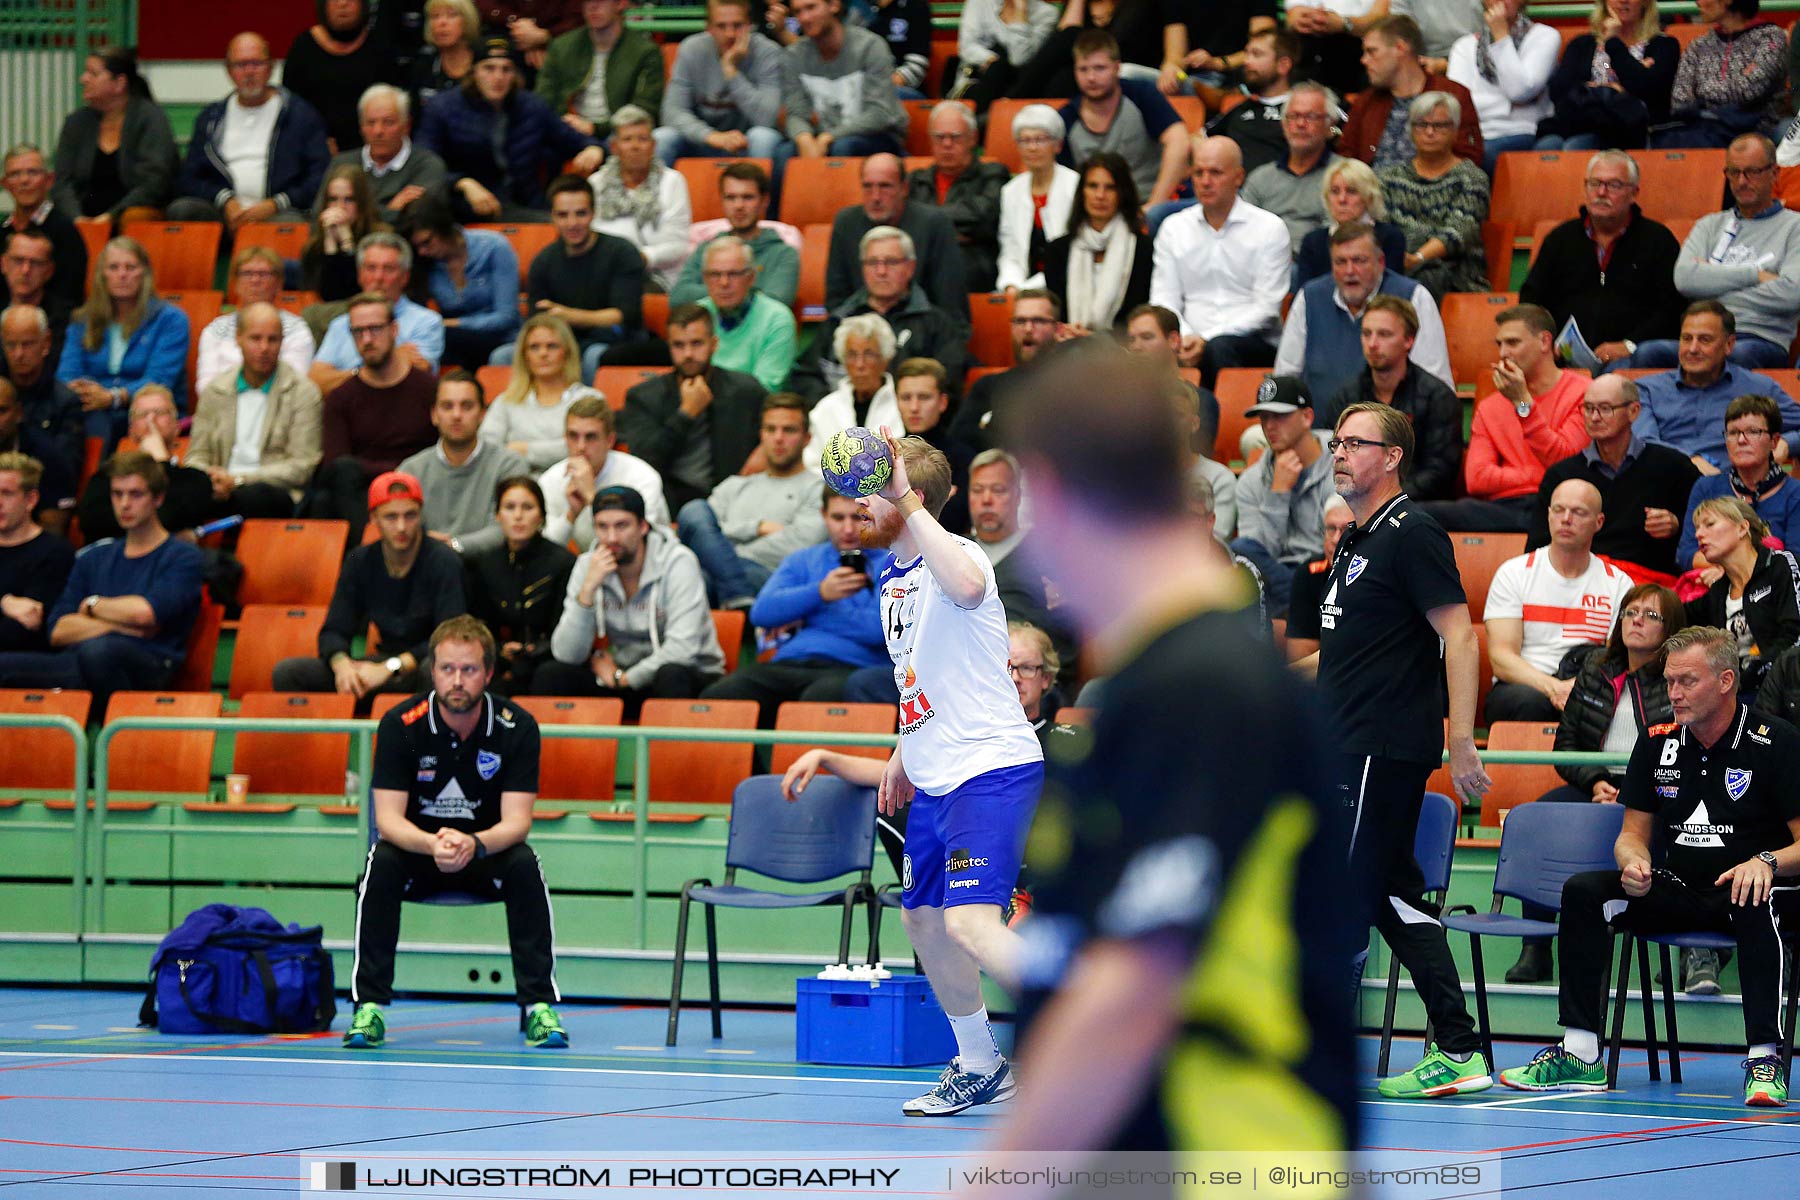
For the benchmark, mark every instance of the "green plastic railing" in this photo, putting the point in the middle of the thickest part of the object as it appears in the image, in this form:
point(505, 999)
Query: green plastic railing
point(363, 731)
point(78, 875)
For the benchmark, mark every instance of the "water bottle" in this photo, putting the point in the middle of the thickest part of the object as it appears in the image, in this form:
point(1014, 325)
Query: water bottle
point(352, 789)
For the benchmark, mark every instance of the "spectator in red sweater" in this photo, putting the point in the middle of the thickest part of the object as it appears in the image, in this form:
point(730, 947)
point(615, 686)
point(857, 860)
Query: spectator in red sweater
point(1375, 131)
point(1532, 420)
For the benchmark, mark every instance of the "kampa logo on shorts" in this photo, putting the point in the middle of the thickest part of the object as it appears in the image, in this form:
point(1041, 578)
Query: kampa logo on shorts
point(963, 883)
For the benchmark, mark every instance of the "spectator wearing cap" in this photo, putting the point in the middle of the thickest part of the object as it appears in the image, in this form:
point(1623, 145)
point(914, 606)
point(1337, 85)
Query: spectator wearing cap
point(259, 154)
point(498, 142)
point(1281, 497)
point(593, 73)
point(373, 418)
point(1035, 203)
point(724, 93)
point(696, 425)
point(642, 591)
point(404, 583)
point(123, 618)
point(593, 465)
point(256, 430)
point(459, 474)
point(966, 189)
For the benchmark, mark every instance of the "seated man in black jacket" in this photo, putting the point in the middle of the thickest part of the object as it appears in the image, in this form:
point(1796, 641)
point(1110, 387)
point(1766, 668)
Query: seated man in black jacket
point(405, 584)
point(699, 424)
point(1610, 267)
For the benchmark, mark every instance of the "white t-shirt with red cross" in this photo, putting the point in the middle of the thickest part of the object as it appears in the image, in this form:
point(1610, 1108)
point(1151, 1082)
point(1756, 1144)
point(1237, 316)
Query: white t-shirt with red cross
point(1558, 614)
point(959, 712)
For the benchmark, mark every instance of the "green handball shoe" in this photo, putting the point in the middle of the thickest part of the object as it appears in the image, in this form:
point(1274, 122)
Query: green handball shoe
point(1763, 1085)
point(543, 1031)
point(367, 1030)
point(1554, 1069)
point(1438, 1075)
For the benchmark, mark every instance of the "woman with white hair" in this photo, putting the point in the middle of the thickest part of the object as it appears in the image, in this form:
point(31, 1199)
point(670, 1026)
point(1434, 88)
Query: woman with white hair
point(1352, 196)
point(994, 39)
point(1439, 200)
point(1035, 203)
point(865, 345)
point(639, 199)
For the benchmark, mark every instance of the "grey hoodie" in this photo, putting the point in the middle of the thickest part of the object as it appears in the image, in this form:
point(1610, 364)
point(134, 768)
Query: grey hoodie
point(1721, 260)
point(1289, 525)
point(668, 621)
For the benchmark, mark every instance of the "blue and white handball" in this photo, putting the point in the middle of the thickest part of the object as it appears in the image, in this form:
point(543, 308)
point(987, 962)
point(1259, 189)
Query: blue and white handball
point(856, 462)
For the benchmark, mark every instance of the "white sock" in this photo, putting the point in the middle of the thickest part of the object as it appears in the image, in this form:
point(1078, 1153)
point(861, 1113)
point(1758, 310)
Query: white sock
point(1583, 1044)
point(1765, 1050)
point(975, 1042)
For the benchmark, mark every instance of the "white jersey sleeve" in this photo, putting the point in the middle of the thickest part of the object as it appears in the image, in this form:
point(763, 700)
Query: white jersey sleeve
point(959, 711)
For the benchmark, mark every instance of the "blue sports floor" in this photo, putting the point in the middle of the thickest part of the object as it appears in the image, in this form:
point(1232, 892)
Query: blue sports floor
point(92, 1106)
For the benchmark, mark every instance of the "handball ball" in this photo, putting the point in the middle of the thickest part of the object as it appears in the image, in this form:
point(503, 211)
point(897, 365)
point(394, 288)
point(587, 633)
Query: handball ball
point(856, 462)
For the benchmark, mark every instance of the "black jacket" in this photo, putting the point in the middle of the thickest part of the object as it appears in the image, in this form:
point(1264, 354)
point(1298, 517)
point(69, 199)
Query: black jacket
point(1634, 299)
point(519, 596)
point(1436, 414)
point(1652, 82)
point(652, 423)
point(1589, 712)
point(1137, 287)
point(921, 329)
point(1771, 606)
point(1779, 695)
point(973, 206)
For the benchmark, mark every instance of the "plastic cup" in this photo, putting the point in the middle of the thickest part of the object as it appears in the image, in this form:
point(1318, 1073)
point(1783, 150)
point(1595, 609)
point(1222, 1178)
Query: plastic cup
point(237, 789)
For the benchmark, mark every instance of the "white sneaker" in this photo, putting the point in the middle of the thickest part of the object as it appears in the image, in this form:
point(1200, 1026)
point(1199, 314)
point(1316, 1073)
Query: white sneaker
point(958, 1089)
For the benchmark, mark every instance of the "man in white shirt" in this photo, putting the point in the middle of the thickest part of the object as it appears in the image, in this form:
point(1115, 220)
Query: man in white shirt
point(399, 172)
point(1222, 267)
point(1544, 603)
point(257, 426)
point(255, 279)
point(592, 465)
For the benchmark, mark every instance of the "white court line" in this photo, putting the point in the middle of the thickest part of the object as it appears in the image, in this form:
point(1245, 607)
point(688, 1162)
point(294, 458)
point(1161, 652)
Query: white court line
point(427, 1066)
point(1534, 1099)
point(1582, 1112)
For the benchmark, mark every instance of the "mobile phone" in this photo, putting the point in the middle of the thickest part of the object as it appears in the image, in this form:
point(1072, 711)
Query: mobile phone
point(218, 526)
point(856, 560)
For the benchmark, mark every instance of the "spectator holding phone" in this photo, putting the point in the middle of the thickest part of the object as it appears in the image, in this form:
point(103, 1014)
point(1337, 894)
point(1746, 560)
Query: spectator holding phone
point(823, 602)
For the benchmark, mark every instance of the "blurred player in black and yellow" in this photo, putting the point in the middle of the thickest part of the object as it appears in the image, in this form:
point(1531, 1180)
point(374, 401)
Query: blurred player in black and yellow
point(1184, 967)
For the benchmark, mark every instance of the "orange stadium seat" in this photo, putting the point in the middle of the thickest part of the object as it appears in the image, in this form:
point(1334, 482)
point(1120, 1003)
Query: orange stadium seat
point(813, 717)
point(1192, 110)
point(283, 237)
point(698, 772)
point(1000, 146)
point(655, 307)
point(614, 382)
point(1497, 243)
point(815, 252)
point(290, 562)
point(702, 175)
point(184, 255)
point(195, 674)
point(1478, 556)
point(294, 764)
point(493, 381)
point(95, 233)
point(295, 301)
point(943, 49)
point(1680, 183)
point(576, 768)
point(1788, 379)
point(43, 757)
point(161, 760)
point(914, 162)
point(728, 627)
point(526, 241)
point(1469, 328)
point(1518, 783)
point(813, 190)
point(268, 633)
point(990, 337)
point(1235, 389)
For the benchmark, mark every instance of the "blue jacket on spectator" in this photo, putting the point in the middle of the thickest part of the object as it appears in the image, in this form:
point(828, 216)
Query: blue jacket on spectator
point(1780, 511)
point(458, 128)
point(296, 161)
point(169, 578)
point(156, 352)
point(1692, 419)
point(489, 299)
point(844, 631)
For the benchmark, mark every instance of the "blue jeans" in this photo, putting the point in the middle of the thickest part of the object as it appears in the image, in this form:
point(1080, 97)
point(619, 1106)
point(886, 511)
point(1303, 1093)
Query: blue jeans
point(872, 685)
point(1575, 141)
point(672, 144)
point(109, 663)
point(729, 575)
point(1493, 148)
point(1278, 576)
point(1751, 352)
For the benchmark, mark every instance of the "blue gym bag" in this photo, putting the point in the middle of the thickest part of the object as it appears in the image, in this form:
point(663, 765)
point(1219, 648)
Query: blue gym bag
point(238, 970)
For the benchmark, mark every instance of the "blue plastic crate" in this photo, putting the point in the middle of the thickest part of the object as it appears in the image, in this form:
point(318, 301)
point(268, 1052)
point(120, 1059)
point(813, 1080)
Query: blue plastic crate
point(852, 1022)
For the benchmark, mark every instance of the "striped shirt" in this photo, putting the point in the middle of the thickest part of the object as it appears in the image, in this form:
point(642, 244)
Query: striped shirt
point(1558, 613)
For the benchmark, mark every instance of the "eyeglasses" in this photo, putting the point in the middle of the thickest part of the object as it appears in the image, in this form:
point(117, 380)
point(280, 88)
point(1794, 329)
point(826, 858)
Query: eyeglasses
point(1602, 410)
point(1353, 444)
point(257, 273)
point(1026, 670)
point(367, 331)
point(1435, 126)
point(1745, 435)
point(1747, 172)
point(1649, 615)
point(1033, 141)
point(1610, 185)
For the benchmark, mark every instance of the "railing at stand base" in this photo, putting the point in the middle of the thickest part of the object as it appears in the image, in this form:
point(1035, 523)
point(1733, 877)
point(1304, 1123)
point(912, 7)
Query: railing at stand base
point(77, 876)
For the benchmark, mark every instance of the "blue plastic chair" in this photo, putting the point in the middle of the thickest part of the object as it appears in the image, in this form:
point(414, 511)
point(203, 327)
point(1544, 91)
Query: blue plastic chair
point(1541, 846)
point(828, 833)
point(1434, 846)
point(1664, 942)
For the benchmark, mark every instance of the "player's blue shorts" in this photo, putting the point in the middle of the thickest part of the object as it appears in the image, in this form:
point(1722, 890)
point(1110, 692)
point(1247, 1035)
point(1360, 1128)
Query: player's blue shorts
point(965, 847)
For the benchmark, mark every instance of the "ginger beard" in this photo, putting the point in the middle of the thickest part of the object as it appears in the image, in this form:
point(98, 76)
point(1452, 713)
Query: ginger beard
point(882, 523)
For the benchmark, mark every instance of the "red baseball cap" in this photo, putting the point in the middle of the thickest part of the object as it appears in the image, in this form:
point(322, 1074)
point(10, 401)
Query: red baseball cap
point(394, 485)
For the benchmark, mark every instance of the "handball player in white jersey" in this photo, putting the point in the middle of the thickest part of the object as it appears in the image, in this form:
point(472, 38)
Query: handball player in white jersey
point(968, 761)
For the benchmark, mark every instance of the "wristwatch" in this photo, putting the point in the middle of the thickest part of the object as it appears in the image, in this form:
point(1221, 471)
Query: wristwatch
point(1769, 858)
point(1630, 346)
point(87, 605)
point(480, 846)
point(393, 665)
